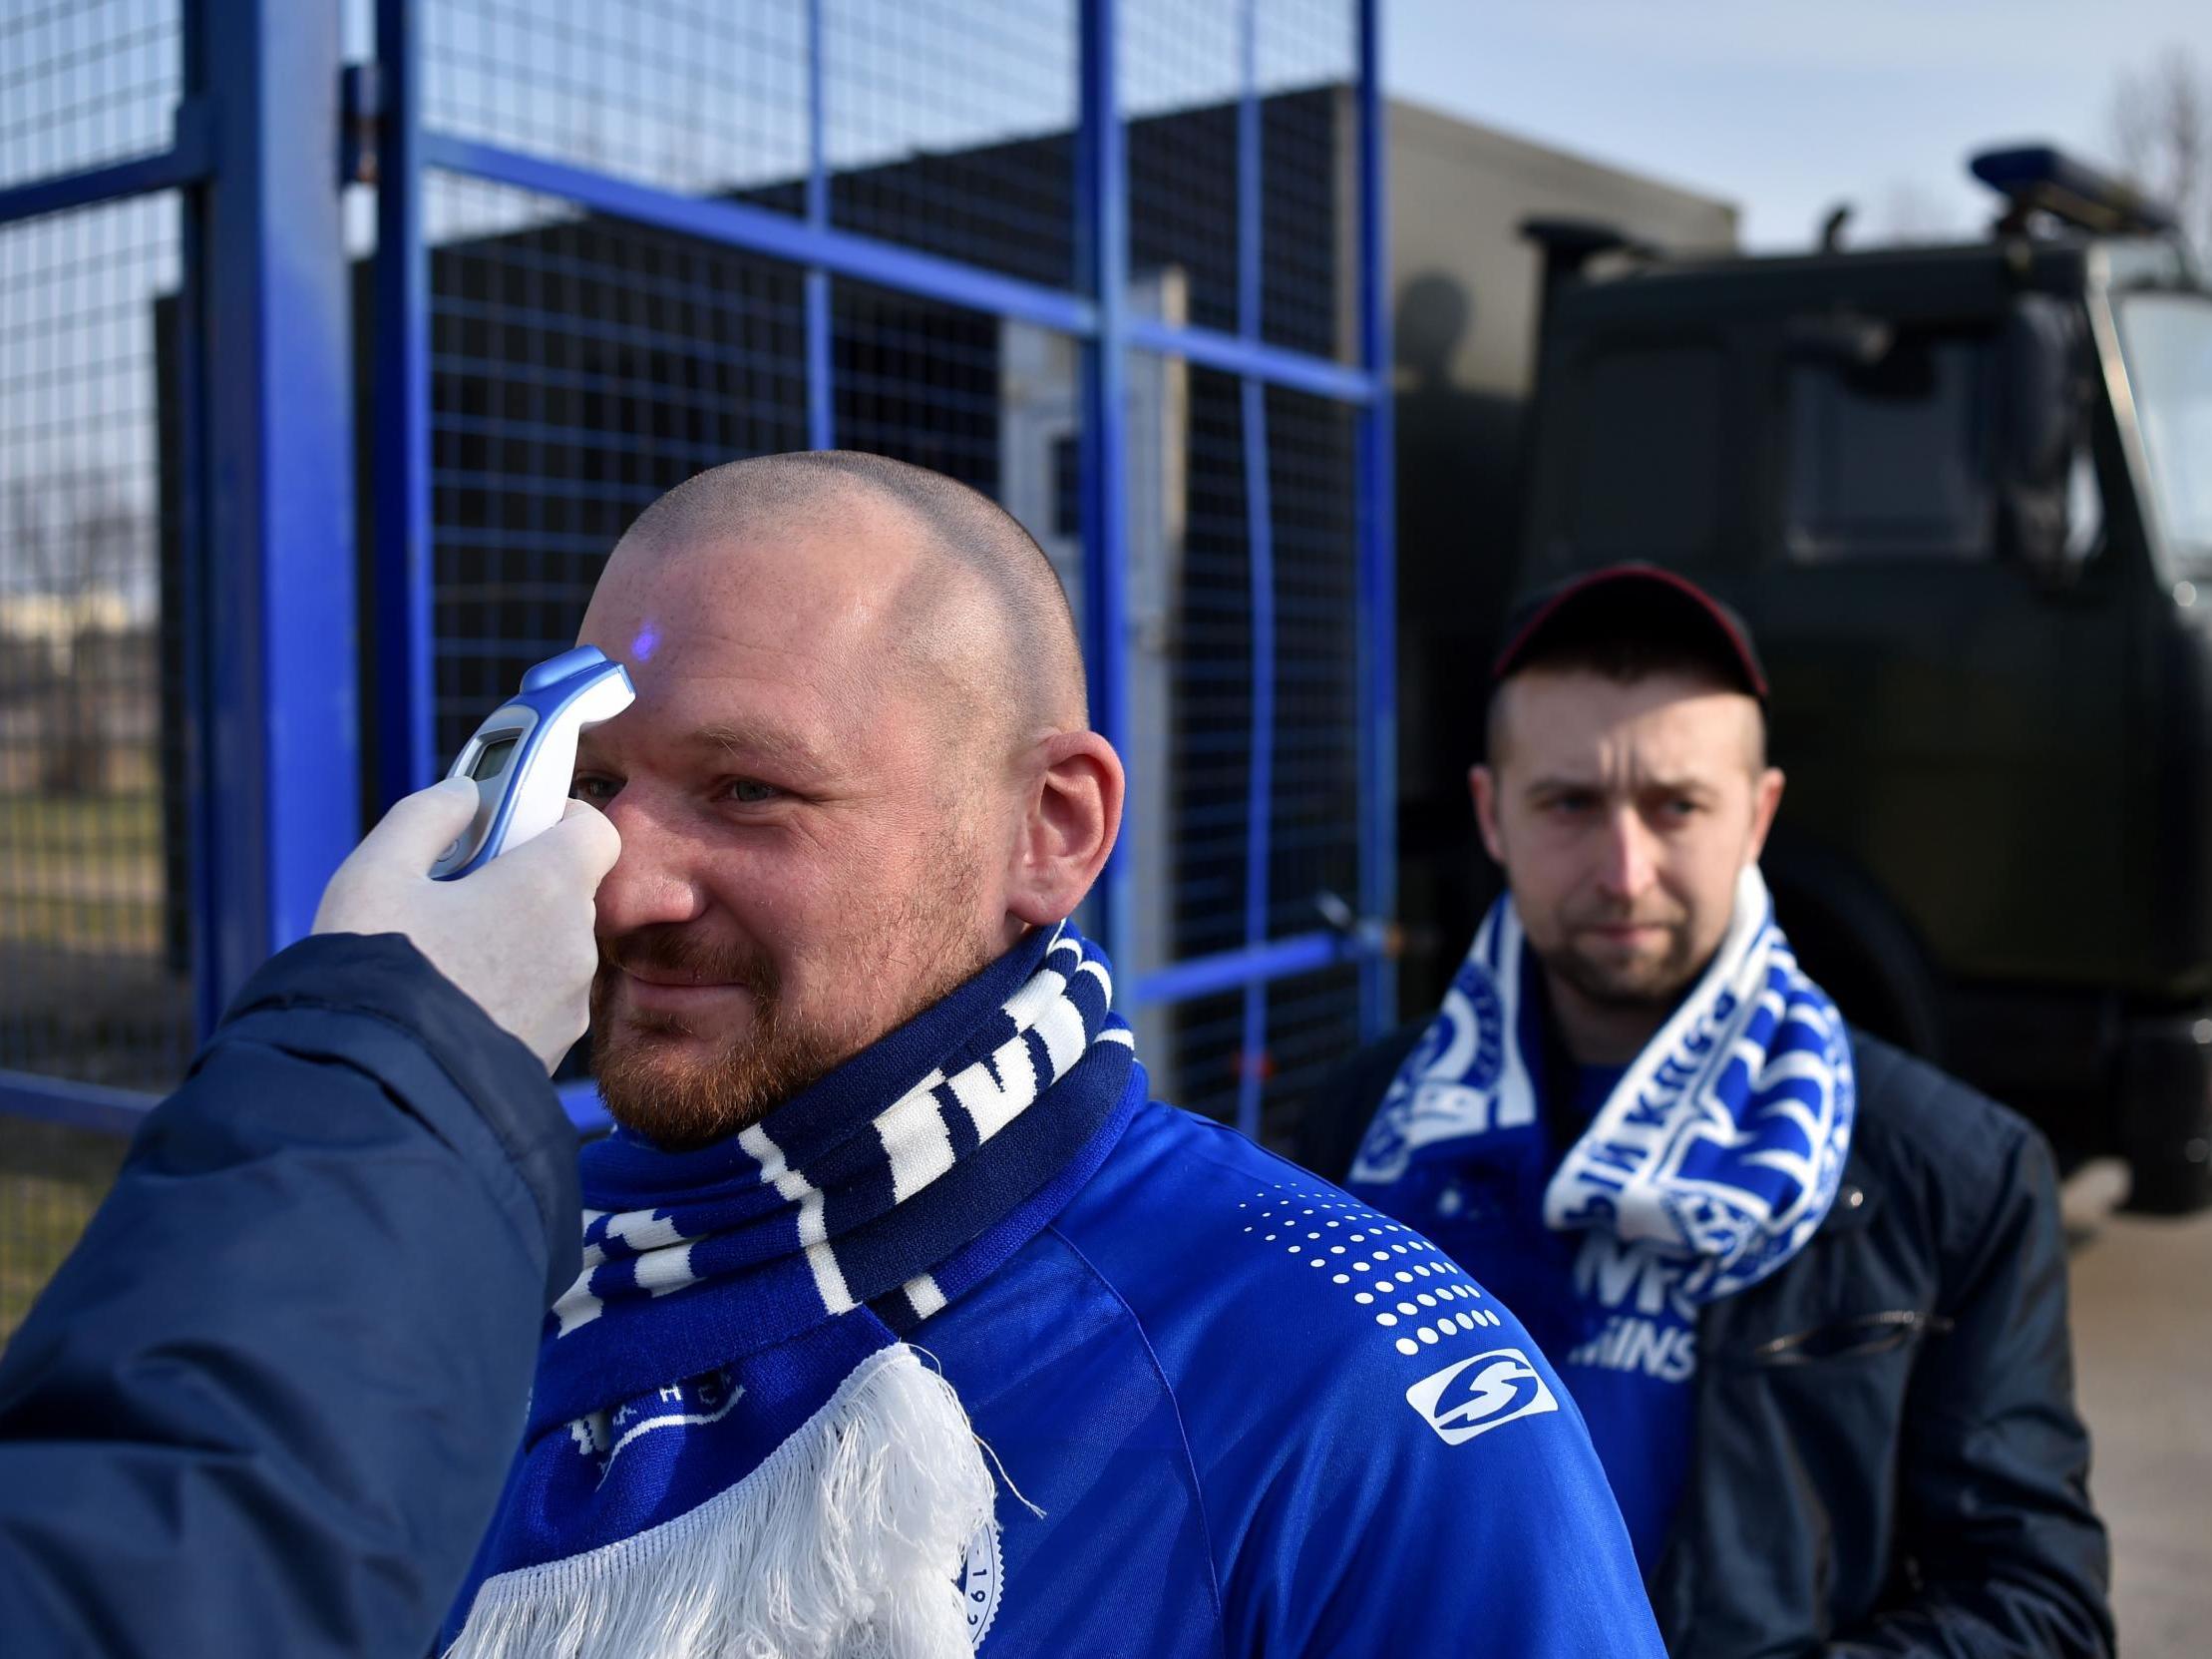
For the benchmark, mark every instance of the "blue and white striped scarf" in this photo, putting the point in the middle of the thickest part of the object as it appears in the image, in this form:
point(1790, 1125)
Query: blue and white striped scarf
point(730, 1447)
point(1722, 1145)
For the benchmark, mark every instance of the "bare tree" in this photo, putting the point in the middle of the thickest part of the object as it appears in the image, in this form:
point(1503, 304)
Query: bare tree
point(2162, 132)
point(69, 553)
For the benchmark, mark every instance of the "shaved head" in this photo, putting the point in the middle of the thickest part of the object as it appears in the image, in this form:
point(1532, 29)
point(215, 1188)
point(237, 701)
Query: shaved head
point(858, 768)
point(980, 615)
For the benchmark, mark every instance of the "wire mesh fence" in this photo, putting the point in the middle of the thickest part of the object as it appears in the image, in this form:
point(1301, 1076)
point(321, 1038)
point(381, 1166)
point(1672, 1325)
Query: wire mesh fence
point(691, 96)
point(1193, 155)
point(580, 367)
point(95, 920)
point(86, 82)
point(581, 361)
point(95, 923)
point(94, 981)
point(949, 126)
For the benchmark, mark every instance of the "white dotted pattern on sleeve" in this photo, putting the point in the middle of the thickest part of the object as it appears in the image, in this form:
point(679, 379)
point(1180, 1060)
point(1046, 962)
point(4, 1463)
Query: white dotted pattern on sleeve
point(1417, 1302)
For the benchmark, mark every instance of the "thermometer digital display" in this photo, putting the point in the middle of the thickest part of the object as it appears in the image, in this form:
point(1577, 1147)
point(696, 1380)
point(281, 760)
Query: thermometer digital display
point(522, 759)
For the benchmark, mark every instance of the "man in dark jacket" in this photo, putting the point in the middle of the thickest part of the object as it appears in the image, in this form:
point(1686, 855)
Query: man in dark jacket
point(266, 1405)
point(1809, 1292)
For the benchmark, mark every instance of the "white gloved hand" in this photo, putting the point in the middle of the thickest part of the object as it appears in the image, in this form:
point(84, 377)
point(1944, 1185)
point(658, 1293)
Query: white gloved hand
point(515, 934)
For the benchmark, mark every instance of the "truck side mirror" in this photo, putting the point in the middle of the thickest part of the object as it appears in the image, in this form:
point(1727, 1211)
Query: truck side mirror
point(2042, 436)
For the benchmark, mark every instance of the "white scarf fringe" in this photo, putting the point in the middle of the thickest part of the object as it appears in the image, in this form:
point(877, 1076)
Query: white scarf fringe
point(843, 1545)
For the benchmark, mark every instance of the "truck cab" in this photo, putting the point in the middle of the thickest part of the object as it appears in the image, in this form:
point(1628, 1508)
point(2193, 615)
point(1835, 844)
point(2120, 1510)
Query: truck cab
point(1964, 498)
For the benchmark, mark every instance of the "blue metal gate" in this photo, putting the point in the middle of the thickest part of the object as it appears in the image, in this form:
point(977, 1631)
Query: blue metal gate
point(294, 480)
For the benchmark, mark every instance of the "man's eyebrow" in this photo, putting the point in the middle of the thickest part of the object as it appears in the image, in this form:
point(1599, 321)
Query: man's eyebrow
point(1552, 783)
point(750, 740)
point(1679, 787)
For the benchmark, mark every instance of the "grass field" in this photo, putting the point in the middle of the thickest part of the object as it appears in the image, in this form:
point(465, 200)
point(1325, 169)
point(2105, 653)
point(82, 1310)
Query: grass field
point(82, 873)
point(101, 828)
point(81, 880)
point(51, 1180)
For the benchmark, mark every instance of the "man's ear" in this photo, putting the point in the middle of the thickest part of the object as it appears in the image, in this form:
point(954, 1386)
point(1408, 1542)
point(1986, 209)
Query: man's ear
point(1766, 801)
point(1482, 783)
point(1071, 813)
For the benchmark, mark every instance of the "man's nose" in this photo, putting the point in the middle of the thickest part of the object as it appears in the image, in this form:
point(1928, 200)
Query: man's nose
point(1629, 860)
point(653, 880)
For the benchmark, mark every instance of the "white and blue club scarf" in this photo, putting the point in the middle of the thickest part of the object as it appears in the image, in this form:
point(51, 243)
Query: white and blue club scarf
point(1722, 1145)
point(731, 1449)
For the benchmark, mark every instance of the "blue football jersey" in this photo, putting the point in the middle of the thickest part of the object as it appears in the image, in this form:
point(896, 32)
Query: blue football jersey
point(1237, 1412)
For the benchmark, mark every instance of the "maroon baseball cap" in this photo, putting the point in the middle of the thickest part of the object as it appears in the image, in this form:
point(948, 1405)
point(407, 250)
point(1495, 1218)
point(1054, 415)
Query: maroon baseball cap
point(1636, 598)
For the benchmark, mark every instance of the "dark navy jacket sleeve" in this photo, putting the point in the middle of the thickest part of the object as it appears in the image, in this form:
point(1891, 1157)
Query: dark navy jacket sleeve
point(2009, 1558)
point(266, 1406)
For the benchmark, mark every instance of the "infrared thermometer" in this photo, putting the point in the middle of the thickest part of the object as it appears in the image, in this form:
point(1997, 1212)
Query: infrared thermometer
point(523, 759)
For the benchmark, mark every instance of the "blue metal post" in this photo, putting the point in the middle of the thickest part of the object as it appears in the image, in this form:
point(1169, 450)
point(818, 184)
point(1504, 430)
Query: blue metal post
point(185, 161)
point(1260, 764)
point(201, 814)
point(780, 235)
point(279, 763)
point(108, 1111)
point(820, 393)
point(1102, 231)
point(1259, 563)
point(406, 683)
point(1377, 472)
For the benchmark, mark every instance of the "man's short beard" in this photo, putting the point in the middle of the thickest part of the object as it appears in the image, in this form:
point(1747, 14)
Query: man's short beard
point(679, 1103)
point(1656, 986)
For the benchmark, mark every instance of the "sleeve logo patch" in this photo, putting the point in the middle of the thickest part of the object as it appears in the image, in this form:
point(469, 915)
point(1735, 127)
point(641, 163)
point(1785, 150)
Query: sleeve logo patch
point(1478, 1395)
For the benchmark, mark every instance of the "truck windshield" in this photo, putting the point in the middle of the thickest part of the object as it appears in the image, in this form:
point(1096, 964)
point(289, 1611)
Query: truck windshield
point(2167, 341)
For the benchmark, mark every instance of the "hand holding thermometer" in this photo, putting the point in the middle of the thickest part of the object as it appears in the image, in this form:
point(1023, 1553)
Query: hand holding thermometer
point(523, 759)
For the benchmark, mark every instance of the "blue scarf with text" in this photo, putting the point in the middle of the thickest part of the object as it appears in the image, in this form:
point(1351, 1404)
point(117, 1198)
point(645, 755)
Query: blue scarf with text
point(730, 1447)
point(1722, 1147)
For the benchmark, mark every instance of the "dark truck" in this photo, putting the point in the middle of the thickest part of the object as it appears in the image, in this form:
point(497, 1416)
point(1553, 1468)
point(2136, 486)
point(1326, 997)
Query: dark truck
point(1963, 496)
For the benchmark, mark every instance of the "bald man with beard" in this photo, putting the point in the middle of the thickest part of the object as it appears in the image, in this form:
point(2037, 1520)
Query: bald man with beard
point(907, 1323)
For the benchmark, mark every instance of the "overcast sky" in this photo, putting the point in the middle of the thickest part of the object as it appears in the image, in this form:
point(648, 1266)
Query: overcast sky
point(1788, 106)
